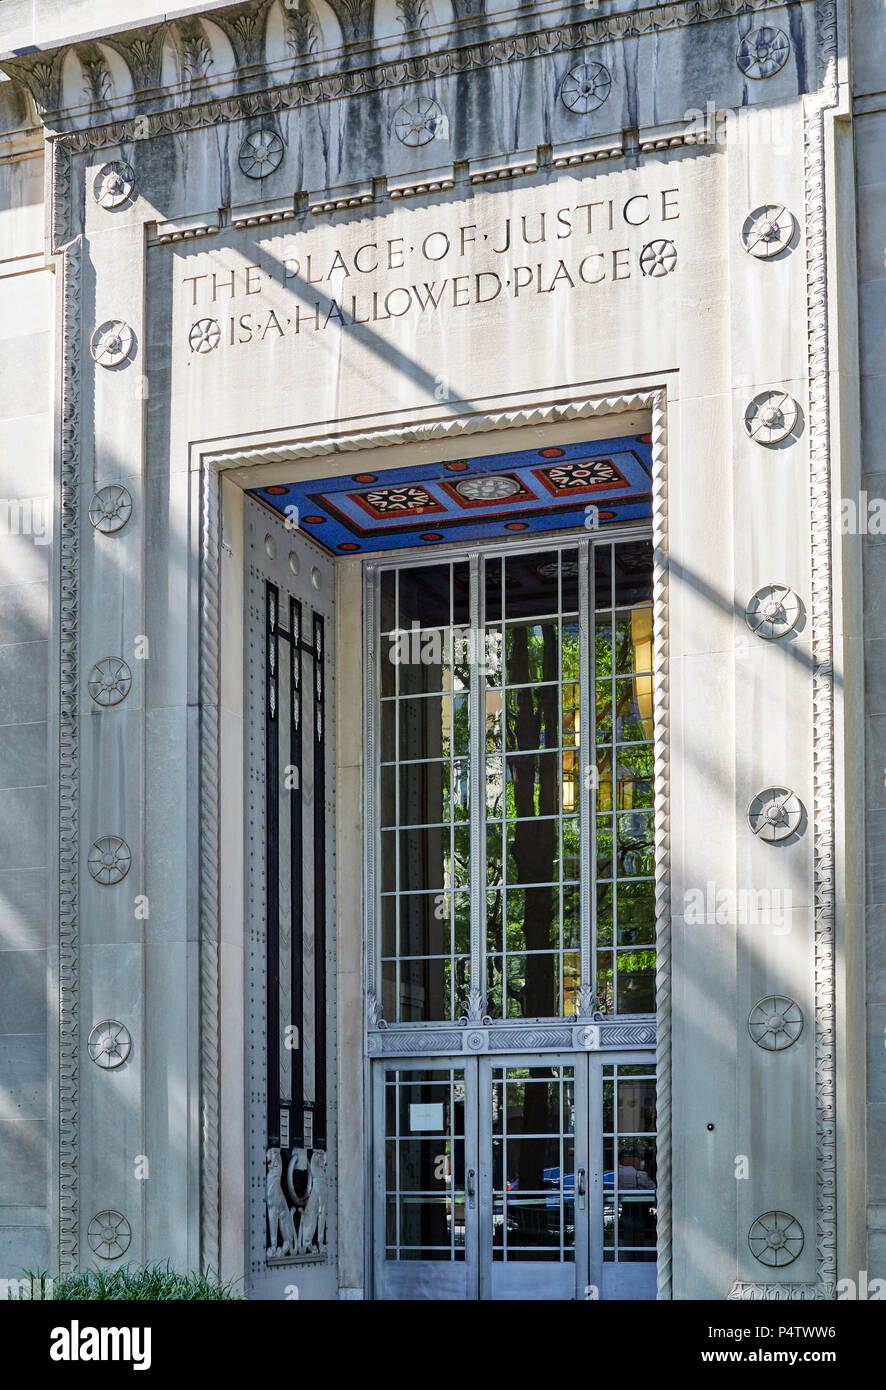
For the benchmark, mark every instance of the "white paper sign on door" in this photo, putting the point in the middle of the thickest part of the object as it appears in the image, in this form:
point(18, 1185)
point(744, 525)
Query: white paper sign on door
point(426, 1117)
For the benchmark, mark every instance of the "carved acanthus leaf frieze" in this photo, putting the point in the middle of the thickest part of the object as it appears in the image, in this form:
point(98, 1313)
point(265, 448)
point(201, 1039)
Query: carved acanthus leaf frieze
point(267, 88)
point(302, 29)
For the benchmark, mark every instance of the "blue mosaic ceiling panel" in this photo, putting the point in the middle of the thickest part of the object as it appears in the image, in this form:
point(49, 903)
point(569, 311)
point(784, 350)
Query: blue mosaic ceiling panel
point(535, 490)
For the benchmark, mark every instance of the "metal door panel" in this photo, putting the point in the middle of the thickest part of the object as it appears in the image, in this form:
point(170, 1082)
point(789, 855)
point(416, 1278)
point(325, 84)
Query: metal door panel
point(566, 1201)
point(630, 1281)
point(396, 1274)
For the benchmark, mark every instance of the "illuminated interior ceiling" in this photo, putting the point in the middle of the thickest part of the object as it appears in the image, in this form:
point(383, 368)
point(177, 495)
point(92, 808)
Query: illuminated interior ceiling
point(557, 488)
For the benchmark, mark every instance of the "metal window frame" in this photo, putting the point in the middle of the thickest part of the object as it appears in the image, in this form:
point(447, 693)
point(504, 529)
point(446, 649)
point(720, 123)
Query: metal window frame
point(476, 1003)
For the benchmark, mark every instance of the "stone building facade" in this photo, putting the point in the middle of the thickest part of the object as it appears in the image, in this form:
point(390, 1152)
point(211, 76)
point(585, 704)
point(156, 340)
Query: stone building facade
point(401, 400)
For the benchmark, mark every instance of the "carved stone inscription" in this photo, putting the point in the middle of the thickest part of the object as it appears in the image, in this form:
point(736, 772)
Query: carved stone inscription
point(342, 280)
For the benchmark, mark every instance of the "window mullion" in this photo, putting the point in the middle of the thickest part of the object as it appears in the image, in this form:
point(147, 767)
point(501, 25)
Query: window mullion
point(588, 776)
point(476, 648)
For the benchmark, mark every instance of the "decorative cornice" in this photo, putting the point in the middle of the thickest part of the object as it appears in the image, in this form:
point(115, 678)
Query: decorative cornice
point(452, 426)
point(69, 770)
point(506, 1036)
point(265, 90)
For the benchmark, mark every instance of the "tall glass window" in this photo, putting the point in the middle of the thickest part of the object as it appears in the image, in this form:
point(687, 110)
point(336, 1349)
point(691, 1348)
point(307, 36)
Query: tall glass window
point(532, 771)
point(516, 848)
point(625, 860)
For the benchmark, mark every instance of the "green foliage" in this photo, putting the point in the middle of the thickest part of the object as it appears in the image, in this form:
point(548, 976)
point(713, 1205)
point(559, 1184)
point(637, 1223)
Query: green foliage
point(152, 1283)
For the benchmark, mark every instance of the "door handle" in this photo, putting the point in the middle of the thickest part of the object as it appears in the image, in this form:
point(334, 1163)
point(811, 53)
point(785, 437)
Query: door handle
point(581, 1188)
point(471, 1192)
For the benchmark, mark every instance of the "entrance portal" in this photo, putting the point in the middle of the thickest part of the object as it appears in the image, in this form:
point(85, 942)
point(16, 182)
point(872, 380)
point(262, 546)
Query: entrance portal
point(508, 868)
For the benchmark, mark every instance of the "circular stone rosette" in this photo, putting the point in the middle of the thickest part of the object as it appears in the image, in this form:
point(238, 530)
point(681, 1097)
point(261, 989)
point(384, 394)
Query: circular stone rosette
point(771, 417)
point(773, 612)
point(768, 230)
point(110, 509)
point(658, 258)
point(260, 153)
point(109, 1235)
point(109, 860)
point(111, 343)
point(775, 1022)
point(205, 335)
point(776, 1239)
point(110, 1043)
point(763, 52)
point(110, 681)
point(585, 87)
point(419, 121)
point(775, 814)
point(113, 184)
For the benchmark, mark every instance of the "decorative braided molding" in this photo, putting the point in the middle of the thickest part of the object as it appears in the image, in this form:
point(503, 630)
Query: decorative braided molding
point(60, 196)
point(40, 72)
point(210, 1052)
point(69, 769)
point(662, 831)
point(821, 609)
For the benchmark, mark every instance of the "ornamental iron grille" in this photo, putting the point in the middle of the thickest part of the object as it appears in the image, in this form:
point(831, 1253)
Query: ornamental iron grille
point(295, 737)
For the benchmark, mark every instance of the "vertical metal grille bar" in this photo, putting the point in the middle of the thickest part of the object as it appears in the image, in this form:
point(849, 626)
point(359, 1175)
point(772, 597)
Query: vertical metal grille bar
point(272, 858)
point(587, 706)
point(319, 884)
point(477, 735)
point(296, 869)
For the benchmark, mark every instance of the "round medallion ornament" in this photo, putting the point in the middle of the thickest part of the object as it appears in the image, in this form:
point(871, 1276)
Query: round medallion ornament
point(768, 230)
point(111, 343)
point(771, 416)
point(109, 860)
point(113, 184)
point(418, 121)
point(585, 87)
point(110, 1043)
point(658, 258)
point(110, 509)
point(763, 52)
point(109, 1235)
point(486, 489)
point(477, 1040)
point(110, 681)
point(773, 611)
point(260, 153)
point(776, 1238)
point(774, 814)
point(205, 335)
point(775, 1022)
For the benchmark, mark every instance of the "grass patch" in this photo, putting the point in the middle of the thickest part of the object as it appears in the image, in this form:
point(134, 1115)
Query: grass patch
point(148, 1283)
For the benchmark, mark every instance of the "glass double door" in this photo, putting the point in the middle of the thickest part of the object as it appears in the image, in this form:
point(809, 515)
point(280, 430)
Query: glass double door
point(521, 1177)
